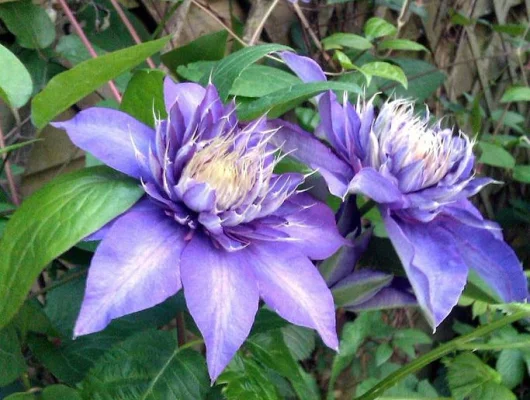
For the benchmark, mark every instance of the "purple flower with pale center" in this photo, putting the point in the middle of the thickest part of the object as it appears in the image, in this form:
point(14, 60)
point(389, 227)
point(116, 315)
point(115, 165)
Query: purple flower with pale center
point(421, 176)
point(215, 220)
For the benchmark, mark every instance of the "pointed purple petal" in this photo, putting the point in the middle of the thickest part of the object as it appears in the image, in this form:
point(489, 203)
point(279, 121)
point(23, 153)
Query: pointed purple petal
point(305, 148)
point(188, 97)
point(306, 68)
point(292, 286)
point(311, 227)
point(112, 136)
point(374, 185)
point(493, 260)
point(222, 297)
point(135, 267)
point(432, 262)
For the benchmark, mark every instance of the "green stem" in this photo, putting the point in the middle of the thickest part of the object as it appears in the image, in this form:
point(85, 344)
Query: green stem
point(366, 207)
point(437, 353)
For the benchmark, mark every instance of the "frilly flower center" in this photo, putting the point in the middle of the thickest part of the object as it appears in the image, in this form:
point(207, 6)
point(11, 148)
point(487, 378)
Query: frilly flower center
point(412, 143)
point(231, 168)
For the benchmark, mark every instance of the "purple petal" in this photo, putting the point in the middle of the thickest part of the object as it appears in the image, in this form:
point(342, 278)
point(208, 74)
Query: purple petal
point(112, 136)
point(387, 298)
point(305, 148)
point(374, 185)
point(291, 285)
point(188, 97)
point(311, 227)
point(306, 68)
point(493, 260)
point(432, 262)
point(135, 267)
point(222, 297)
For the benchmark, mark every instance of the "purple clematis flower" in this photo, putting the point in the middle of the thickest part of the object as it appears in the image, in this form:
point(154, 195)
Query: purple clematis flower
point(421, 176)
point(215, 220)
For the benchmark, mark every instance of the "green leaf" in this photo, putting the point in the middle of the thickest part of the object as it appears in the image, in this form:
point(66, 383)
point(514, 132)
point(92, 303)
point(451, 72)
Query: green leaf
point(230, 68)
point(67, 88)
point(495, 156)
point(32, 318)
point(261, 80)
point(407, 339)
point(423, 78)
point(348, 40)
point(60, 392)
point(72, 48)
point(30, 24)
point(144, 97)
point(353, 335)
point(245, 379)
point(385, 70)
point(377, 27)
point(16, 146)
point(521, 173)
point(383, 353)
point(16, 85)
point(12, 362)
point(53, 220)
point(401, 44)
point(148, 366)
point(516, 93)
point(350, 293)
point(281, 101)
point(299, 340)
point(469, 378)
point(511, 366)
point(20, 396)
point(270, 349)
point(511, 29)
point(344, 61)
point(210, 47)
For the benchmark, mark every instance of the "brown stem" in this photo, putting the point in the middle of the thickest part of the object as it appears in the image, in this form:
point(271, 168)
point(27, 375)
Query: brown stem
point(181, 329)
point(86, 43)
point(9, 174)
point(131, 29)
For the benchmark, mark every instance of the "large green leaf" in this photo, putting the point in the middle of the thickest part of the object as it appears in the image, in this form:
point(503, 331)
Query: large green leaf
point(60, 392)
point(516, 93)
point(495, 156)
point(377, 27)
point(521, 173)
point(261, 80)
point(12, 362)
point(245, 379)
point(348, 40)
point(401, 44)
point(384, 70)
point(148, 366)
point(144, 97)
point(470, 378)
point(67, 88)
point(270, 349)
point(72, 48)
point(230, 68)
point(283, 100)
point(510, 365)
point(54, 219)
point(16, 85)
point(210, 47)
point(30, 24)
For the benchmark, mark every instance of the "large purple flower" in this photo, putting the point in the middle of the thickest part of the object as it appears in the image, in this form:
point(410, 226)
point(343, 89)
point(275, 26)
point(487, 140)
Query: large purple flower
point(421, 176)
point(216, 220)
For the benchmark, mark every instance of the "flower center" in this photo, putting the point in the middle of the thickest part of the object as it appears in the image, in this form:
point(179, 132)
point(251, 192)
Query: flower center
point(414, 144)
point(230, 167)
